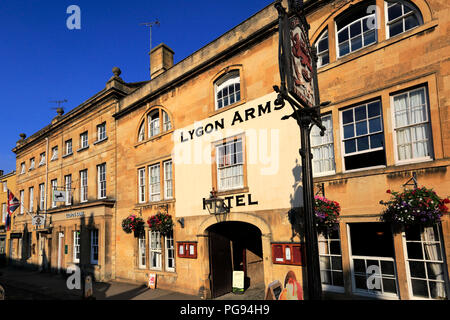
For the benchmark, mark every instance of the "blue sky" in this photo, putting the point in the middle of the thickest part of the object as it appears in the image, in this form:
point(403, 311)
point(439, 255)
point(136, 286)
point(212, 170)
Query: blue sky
point(42, 60)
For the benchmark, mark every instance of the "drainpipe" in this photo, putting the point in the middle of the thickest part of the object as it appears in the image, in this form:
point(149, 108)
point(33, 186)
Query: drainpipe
point(46, 180)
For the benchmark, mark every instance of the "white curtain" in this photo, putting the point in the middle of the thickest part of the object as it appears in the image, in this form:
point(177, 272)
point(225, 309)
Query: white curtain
point(432, 252)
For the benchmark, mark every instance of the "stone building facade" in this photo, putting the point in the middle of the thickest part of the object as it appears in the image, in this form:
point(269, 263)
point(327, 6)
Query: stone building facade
point(209, 122)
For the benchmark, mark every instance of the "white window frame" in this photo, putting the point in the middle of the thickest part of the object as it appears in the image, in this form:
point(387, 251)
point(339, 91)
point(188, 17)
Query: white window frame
point(101, 132)
point(4, 212)
point(84, 185)
point(413, 11)
point(169, 248)
point(154, 185)
point(168, 182)
point(5, 186)
point(84, 140)
point(385, 295)
point(42, 196)
point(141, 134)
point(155, 250)
point(54, 153)
point(154, 124)
point(94, 246)
point(167, 124)
point(341, 125)
point(22, 199)
point(68, 147)
point(54, 185)
point(141, 185)
point(68, 187)
point(76, 246)
point(426, 123)
point(232, 78)
point(42, 159)
point(326, 141)
point(425, 261)
point(142, 254)
point(360, 20)
point(323, 53)
point(23, 168)
point(101, 181)
point(325, 240)
point(219, 169)
point(32, 164)
point(31, 198)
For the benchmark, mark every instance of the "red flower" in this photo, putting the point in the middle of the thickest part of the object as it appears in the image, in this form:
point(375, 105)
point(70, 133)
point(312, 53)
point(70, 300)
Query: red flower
point(446, 200)
point(388, 191)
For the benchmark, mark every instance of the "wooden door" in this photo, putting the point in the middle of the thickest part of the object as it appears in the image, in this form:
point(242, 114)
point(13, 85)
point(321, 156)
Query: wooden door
point(220, 264)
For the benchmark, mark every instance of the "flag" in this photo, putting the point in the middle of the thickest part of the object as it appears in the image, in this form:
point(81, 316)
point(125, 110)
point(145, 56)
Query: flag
point(13, 204)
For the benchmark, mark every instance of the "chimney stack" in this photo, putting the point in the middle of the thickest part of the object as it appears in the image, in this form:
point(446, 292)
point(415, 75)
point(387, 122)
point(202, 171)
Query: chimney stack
point(1, 172)
point(161, 60)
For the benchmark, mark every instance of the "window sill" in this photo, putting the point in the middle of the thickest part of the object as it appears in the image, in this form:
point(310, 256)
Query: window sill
point(100, 141)
point(155, 137)
point(413, 161)
point(83, 149)
point(232, 191)
point(67, 155)
point(51, 160)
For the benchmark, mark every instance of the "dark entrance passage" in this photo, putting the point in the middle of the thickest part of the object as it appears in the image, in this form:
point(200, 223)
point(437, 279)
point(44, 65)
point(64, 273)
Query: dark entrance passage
point(234, 246)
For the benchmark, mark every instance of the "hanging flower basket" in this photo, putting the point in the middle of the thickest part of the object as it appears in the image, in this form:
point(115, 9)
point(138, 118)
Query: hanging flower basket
point(418, 206)
point(161, 222)
point(327, 214)
point(133, 224)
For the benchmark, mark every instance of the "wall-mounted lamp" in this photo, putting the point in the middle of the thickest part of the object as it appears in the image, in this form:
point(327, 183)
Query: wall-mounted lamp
point(181, 222)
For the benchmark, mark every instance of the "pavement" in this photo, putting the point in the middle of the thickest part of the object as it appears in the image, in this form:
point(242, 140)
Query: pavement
point(35, 285)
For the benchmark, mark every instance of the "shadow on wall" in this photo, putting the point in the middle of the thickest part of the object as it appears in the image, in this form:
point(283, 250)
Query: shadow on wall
point(295, 214)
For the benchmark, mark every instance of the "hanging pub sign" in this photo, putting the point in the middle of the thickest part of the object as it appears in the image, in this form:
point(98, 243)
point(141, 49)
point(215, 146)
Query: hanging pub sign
point(296, 59)
point(59, 195)
point(301, 80)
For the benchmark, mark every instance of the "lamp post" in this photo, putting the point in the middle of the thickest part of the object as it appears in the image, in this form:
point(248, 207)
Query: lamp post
point(298, 74)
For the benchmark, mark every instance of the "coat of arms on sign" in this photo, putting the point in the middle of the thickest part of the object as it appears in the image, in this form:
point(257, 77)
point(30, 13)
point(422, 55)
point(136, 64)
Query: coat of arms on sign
point(302, 64)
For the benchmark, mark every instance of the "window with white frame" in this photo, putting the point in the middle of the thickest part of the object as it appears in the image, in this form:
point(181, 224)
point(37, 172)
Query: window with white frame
point(68, 147)
point(5, 186)
point(101, 181)
point(42, 196)
point(94, 246)
point(322, 148)
point(322, 49)
point(22, 201)
point(83, 186)
point(155, 182)
point(101, 132)
point(84, 140)
point(169, 252)
point(363, 136)
point(167, 125)
point(330, 258)
point(230, 165)
point(54, 184)
point(31, 198)
point(68, 186)
point(76, 246)
point(168, 185)
point(42, 159)
point(32, 164)
point(372, 263)
point(411, 125)
point(141, 185)
point(227, 89)
point(153, 123)
point(155, 250)
point(425, 262)
point(142, 251)
point(22, 168)
point(54, 153)
point(356, 29)
point(4, 212)
point(400, 17)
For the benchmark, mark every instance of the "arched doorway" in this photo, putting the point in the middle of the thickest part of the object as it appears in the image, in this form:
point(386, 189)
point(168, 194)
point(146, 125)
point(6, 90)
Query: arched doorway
point(234, 246)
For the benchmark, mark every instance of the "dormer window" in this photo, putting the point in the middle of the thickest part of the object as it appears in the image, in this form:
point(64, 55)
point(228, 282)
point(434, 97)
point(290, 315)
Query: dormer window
point(356, 29)
point(401, 17)
point(227, 89)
